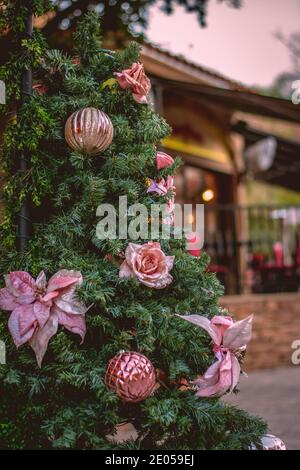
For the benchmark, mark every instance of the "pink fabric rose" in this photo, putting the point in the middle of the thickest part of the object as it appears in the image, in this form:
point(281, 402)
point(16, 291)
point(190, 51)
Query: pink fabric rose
point(163, 160)
point(228, 338)
point(135, 79)
point(148, 264)
point(161, 186)
point(38, 308)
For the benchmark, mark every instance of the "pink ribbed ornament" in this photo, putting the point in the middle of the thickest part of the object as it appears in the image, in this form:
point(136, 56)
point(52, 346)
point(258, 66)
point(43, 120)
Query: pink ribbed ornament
point(131, 375)
point(89, 131)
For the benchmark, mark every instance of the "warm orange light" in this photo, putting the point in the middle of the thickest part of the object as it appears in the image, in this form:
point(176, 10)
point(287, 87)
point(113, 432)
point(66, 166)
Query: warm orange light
point(208, 195)
point(190, 218)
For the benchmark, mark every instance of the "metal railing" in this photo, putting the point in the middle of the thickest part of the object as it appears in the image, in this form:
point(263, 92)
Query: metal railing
point(254, 248)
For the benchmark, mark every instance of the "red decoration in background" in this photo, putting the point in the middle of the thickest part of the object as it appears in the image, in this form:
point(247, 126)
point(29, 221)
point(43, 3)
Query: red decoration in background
point(278, 254)
point(131, 375)
point(258, 259)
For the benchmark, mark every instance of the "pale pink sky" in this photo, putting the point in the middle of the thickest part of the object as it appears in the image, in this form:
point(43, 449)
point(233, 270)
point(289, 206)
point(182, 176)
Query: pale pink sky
point(238, 43)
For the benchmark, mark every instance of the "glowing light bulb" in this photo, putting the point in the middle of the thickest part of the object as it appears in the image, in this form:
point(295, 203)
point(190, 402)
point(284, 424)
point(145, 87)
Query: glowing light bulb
point(208, 195)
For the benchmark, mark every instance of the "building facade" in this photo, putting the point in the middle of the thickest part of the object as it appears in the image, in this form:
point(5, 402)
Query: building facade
point(253, 248)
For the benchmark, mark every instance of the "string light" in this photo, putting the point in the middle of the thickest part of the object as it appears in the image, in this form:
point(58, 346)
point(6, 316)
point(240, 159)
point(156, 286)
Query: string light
point(208, 195)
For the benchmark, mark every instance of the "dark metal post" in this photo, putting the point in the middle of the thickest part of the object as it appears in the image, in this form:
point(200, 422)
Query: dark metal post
point(24, 222)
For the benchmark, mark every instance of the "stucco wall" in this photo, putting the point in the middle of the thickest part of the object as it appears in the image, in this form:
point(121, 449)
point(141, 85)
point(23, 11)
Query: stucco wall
point(276, 326)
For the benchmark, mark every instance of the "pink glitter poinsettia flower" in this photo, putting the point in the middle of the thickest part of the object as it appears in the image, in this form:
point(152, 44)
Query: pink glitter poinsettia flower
point(148, 264)
point(163, 160)
point(135, 79)
point(161, 186)
point(38, 308)
point(228, 338)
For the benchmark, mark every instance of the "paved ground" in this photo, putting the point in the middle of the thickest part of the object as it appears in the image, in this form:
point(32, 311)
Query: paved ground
point(274, 394)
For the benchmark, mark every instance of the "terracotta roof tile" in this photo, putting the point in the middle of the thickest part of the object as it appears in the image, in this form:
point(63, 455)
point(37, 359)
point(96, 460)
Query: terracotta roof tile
point(234, 85)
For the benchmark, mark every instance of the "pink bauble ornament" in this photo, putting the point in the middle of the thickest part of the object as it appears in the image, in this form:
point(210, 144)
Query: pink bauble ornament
point(163, 160)
point(131, 375)
point(269, 442)
point(89, 131)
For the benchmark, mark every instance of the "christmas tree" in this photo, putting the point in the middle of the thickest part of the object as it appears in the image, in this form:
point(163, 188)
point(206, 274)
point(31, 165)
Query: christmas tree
point(99, 322)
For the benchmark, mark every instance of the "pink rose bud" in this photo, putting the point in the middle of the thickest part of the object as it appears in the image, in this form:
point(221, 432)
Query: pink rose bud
point(76, 60)
point(163, 160)
point(193, 244)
